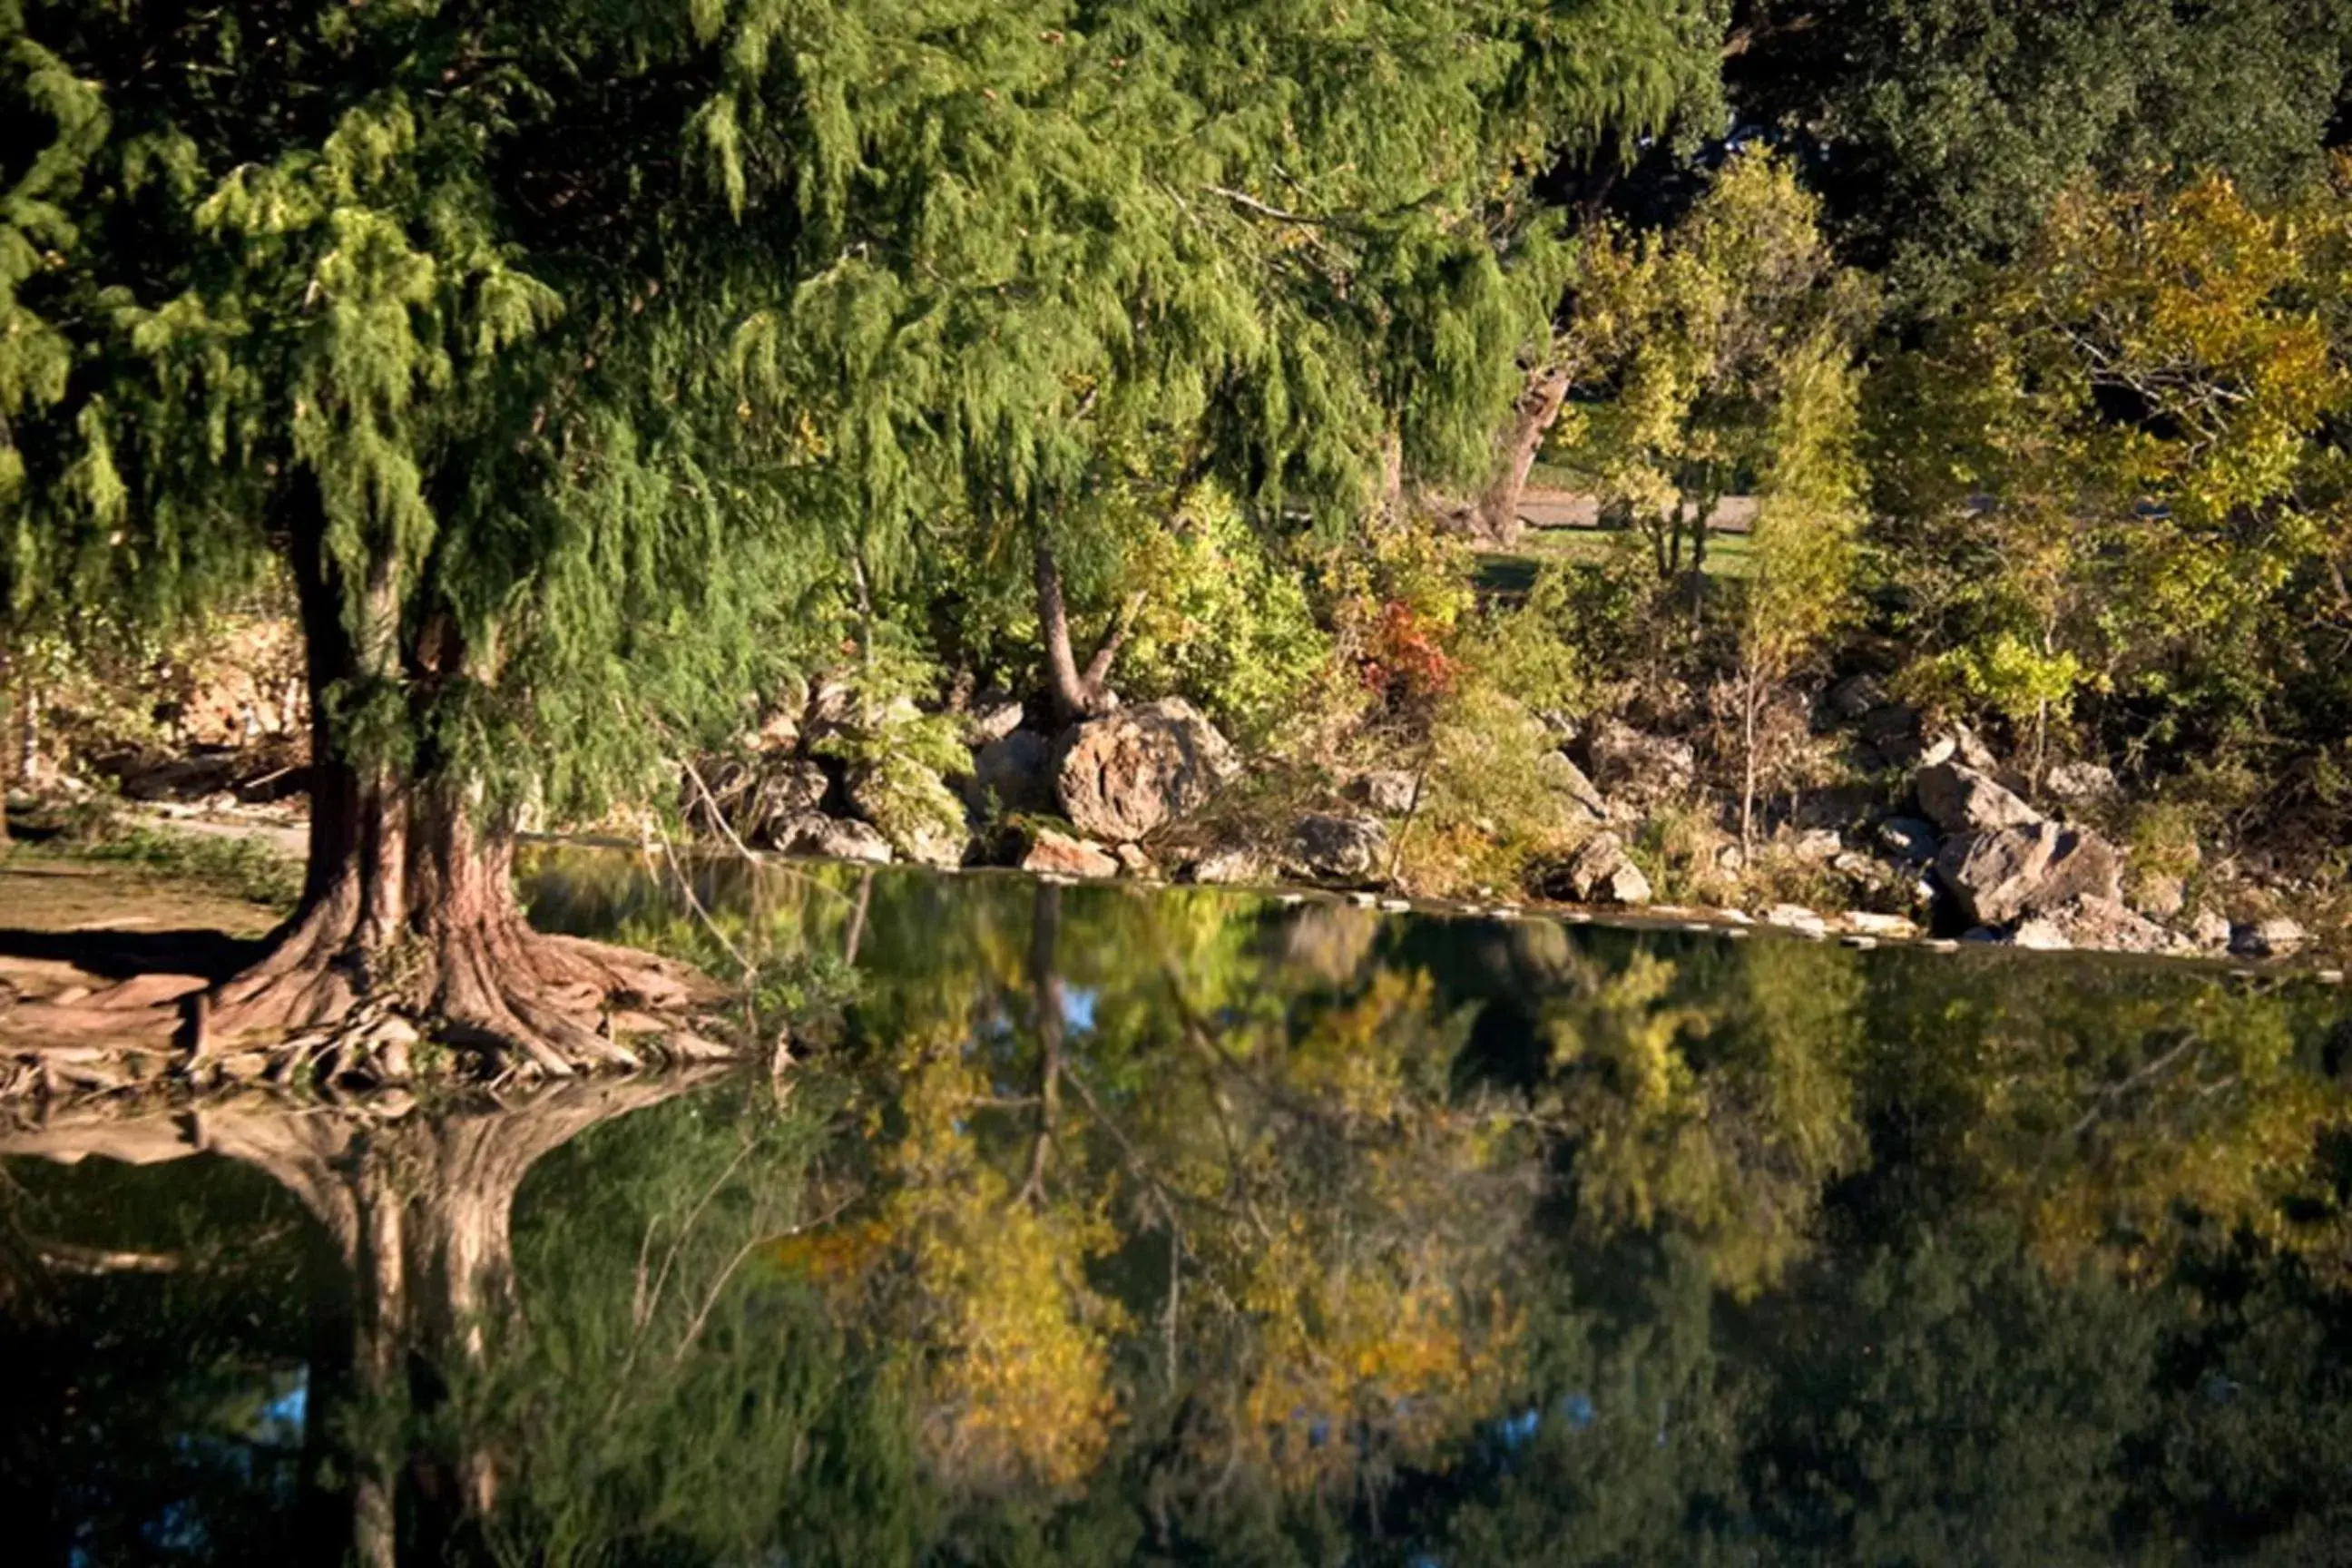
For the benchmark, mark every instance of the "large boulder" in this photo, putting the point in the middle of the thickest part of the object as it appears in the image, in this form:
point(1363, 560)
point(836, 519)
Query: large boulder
point(2001, 875)
point(1015, 770)
point(912, 808)
point(785, 789)
point(833, 837)
point(1065, 856)
point(1327, 849)
point(1583, 800)
point(1961, 799)
point(991, 718)
point(753, 798)
point(1603, 873)
point(1123, 777)
point(1641, 767)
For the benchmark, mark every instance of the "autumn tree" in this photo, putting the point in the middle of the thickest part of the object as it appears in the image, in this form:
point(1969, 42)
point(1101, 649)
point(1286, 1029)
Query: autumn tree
point(1718, 356)
point(2120, 473)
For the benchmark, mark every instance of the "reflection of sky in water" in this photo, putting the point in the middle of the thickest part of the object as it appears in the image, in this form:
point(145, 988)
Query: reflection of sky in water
point(275, 1427)
point(283, 1416)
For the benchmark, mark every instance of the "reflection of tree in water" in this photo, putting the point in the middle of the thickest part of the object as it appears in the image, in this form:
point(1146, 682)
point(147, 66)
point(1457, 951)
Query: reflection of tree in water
point(413, 1211)
point(1107, 1227)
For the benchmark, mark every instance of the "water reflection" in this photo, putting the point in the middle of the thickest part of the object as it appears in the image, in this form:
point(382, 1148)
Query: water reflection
point(1097, 1226)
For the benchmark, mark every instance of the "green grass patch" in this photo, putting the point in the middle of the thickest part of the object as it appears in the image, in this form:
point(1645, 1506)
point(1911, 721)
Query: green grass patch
point(1550, 477)
point(1509, 573)
point(241, 868)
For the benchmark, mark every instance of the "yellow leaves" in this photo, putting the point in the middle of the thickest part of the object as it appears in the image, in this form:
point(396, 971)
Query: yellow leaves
point(1020, 1381)
point(1378, 1351)
point(1353, 1056)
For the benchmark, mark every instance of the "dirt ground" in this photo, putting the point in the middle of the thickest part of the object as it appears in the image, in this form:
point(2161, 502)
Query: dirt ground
point(67, 925)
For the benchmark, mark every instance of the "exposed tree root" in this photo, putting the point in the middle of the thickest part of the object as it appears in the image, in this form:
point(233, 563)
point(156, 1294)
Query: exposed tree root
point(327, 1005)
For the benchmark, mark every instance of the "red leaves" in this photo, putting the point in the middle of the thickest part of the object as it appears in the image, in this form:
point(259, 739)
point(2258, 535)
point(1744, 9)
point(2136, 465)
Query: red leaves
point(1404, 661)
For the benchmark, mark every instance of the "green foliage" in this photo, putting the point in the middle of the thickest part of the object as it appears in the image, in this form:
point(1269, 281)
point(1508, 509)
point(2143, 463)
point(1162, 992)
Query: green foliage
point(1715, 357)
point(1946, 129)
point(1224, 621)
point(1092, 255)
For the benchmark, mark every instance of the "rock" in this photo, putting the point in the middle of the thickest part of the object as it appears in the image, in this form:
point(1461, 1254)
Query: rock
point(1388, 791)
point(1562, 729)
point(1796, 918)
point(784, 789)
point(1569, 781)
point(2209, 932)
point(1646, 767)
point(1815, 845)
point(1855, 695)
point(1015, 770)
point(1068, 857)
point(1909, 839)
point(835, 838)
point(1228, 865)
point(1993, 874)
point(2101, 923)
point(914, 810)
point(827, 710)
point(1136, 863)
point(1876, 924)
point(2079, 782)
point(1962, 799)
point(2001, 875)
point(991, 720)
point(1603, 873)
point(2040, 933)
point(2085, 867)
point(1329, 848)
point(1959, 744)
point(779, 730)
point(2278, 937)
point(1122, 777)
point(2159, 895)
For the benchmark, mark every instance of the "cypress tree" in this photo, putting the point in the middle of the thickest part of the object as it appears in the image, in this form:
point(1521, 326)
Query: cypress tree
point(1027, 263)
point(554, 348)
point(375, 291)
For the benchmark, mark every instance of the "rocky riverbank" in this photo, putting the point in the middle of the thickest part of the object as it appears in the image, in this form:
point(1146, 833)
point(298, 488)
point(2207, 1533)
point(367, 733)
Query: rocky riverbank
point(1934, 837)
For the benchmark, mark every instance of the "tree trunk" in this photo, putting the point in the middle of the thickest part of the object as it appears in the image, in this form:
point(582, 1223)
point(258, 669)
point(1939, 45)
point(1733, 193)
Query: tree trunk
point(408, 903)
point(1075, 694)
point(1392, 503)
point(1697, 586)
point(1496, 516)
point(1751, 699)
point(1045, 976)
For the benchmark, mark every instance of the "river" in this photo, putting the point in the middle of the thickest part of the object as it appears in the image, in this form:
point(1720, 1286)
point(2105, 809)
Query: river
point(1106, 1225)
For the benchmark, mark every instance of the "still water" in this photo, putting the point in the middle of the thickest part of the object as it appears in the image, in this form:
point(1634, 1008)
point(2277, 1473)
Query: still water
point(1104, 1225)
